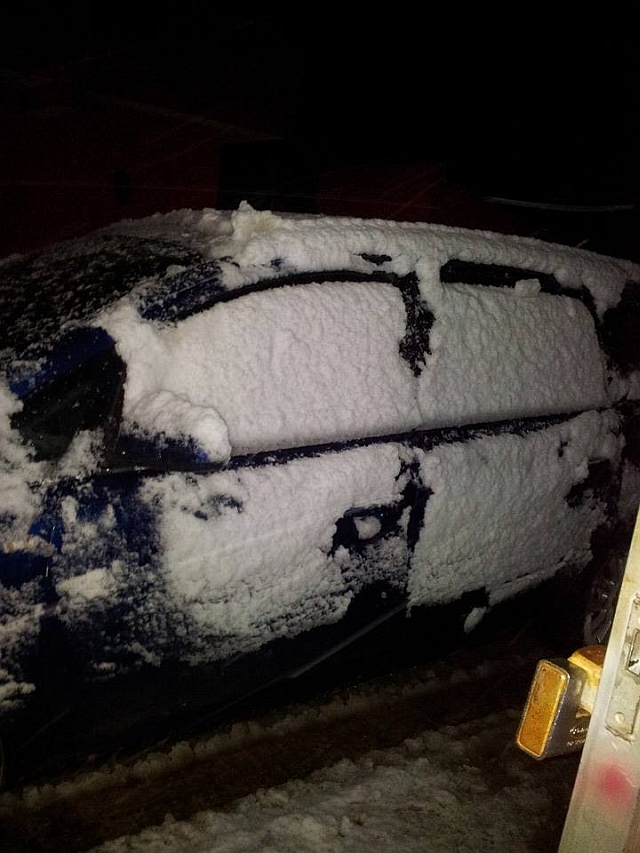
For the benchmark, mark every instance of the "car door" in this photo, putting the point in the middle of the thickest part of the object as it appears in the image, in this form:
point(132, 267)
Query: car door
point(172, 552)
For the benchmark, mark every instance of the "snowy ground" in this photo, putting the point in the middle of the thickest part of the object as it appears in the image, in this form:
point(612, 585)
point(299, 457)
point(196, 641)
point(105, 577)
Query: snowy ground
point(419, 761)
point(461, 788)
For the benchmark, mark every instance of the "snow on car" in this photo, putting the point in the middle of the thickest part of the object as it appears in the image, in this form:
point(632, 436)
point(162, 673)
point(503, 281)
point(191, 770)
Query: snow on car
point(242, 436)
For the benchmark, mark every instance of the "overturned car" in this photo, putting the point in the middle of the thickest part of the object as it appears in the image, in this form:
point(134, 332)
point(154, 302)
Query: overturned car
point(233, 442)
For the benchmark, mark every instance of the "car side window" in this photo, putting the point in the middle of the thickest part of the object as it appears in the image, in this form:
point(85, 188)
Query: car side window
point(290, 366)
point(510, 343)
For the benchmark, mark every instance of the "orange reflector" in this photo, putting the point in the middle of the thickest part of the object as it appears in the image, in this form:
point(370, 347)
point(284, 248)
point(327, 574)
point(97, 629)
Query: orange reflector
point(553, 723)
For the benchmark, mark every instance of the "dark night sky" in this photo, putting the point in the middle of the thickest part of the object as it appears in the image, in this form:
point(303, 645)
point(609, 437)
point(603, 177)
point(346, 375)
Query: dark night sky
point(559, 78)
point(522, 102)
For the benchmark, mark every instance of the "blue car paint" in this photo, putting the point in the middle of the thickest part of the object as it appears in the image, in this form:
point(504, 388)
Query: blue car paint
point(42, 365)
point(184, 293)
point(20, 567)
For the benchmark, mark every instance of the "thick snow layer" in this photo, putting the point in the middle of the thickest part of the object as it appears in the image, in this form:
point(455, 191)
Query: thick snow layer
point(254, 238)
point(279, 354)
point(281, 368)
point(499, 519)
point(499, 353)
point(248, 555)
point(177, 416)
point(257, 563)
point(319, 362)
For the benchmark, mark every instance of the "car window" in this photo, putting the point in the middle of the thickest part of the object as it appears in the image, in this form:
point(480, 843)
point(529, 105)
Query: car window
point(510, 343)
point(289, 366)
point(337, 359)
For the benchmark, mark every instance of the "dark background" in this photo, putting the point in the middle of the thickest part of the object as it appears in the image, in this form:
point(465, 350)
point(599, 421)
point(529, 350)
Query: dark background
point(118, 110)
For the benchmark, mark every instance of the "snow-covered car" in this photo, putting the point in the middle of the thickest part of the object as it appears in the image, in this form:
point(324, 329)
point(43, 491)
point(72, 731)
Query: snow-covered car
point(233, 441)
